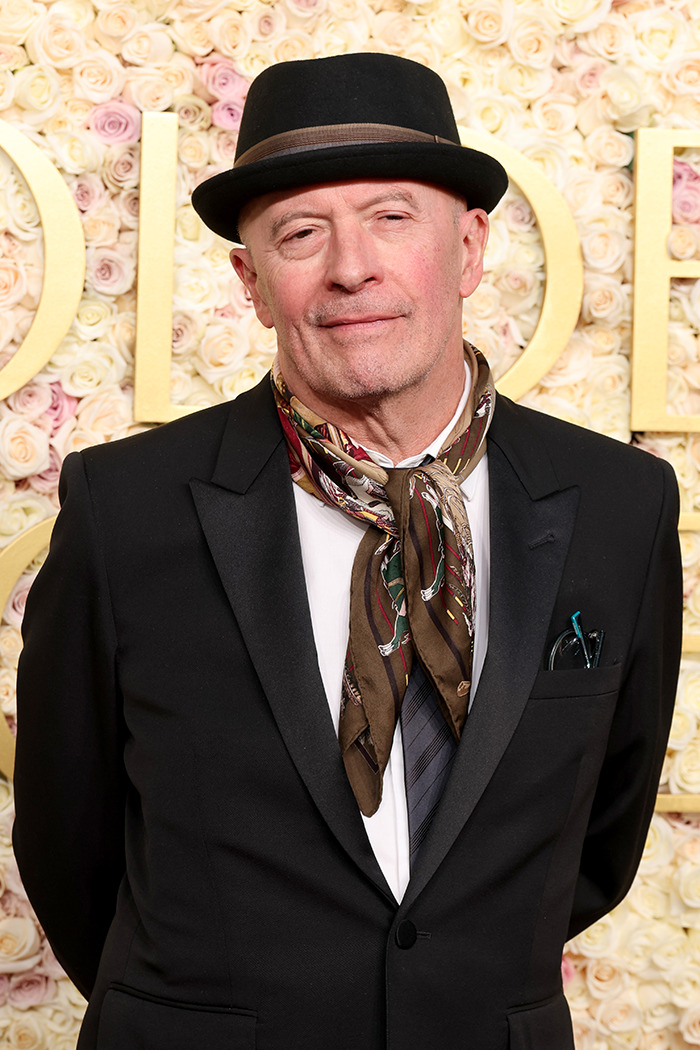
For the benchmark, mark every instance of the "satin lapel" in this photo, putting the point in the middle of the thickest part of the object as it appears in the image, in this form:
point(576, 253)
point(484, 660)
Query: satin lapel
point(248, 516)
point(531, 525)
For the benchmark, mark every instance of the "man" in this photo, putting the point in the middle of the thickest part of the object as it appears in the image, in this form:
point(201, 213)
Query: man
point(315, 752)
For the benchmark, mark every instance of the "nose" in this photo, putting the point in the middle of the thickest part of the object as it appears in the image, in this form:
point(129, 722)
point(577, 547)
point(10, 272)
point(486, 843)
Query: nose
point(353, 260)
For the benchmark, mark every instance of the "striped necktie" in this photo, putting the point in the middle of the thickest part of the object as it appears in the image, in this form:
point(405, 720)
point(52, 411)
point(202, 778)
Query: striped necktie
point(428, 750)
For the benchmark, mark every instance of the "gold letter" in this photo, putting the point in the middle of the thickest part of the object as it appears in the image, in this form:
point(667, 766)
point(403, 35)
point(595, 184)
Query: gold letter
point(64, 260)
point(653, 270)
point(154, 301)
point(14, 559)
point(564, 270)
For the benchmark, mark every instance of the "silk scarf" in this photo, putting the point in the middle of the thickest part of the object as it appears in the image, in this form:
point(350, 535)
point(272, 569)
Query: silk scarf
point(412, 591)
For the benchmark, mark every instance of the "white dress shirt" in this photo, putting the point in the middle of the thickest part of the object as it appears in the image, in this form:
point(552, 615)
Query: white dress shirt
point(329, 542)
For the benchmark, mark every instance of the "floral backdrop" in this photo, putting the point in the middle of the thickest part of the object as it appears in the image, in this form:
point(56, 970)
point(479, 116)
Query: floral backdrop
point(565, 82)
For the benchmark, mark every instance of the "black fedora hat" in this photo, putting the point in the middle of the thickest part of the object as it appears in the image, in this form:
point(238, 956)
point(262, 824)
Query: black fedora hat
point(356, 116)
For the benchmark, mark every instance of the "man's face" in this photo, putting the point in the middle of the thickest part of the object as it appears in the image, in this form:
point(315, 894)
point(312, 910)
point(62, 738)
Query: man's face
point(363, 282)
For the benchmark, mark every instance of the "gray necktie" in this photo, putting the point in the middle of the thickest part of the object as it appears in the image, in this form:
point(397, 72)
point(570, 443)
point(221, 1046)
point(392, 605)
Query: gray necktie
point(428, 750)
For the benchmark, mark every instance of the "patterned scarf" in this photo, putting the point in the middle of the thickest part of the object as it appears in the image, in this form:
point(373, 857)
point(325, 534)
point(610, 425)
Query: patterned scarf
point(413, 589)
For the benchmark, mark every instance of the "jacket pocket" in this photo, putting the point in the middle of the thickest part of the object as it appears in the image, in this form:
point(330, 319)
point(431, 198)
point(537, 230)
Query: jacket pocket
point(546, 1026)
point(580, 682)
point(132, 1019)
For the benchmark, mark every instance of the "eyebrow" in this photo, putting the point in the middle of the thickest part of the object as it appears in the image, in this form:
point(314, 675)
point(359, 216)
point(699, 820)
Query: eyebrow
point(402, 196)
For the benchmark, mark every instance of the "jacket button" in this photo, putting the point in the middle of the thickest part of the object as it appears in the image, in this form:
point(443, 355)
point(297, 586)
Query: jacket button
point(406, 934)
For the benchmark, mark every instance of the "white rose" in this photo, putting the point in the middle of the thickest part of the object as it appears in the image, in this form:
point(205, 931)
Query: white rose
point(222, 350)
point(109, 272)
point(658, 847)
point(16, 19)
point(658, 1011)
point(82, 373)
point(684, 776)
point(77, 151)
point(605, 251)
point(13, 282)
point(19, 944)
point(659, 37)
point(687, 883)
point(524, 81)
point(196, 287)
point(38, 93)
point(531, 42)
point(19, 512)
point(683, 729)
point(672, 951)
point(31, 401)
point(245, 378)
point(98, 77)
point(24, 447)
point(555, 114)
point(7, 89)
point(493, 113)
point(193, 149)
point(689, 687)
point(648, 900)
point(685, 984)
point(93, 318)
point(616, 188)
point(598, 941)
point(193, 113)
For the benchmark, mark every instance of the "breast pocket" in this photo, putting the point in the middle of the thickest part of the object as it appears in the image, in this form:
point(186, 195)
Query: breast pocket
point(599, 681)
point(129, 1018)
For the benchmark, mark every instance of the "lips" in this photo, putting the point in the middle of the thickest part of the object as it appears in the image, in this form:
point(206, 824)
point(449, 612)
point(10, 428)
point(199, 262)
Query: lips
point(363, 319)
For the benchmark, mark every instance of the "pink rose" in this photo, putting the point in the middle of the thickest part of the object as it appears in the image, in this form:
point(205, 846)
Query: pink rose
point(567, 970)
point(4, 988)
point(686, 194)
point(14, 610)
point(30, 989)
point(89, 193)
point(221, 80)
point(109, 272)
point(226, 114)
point(47, 481)
point(62, 406)
point(116, 122)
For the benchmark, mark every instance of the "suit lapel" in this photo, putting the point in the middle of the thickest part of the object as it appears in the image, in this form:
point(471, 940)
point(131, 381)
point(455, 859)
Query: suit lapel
point(248, 516)
point(532, 519)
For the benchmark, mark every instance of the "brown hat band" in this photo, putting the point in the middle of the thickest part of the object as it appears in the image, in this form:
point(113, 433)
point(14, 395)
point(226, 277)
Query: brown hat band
point(326, 135)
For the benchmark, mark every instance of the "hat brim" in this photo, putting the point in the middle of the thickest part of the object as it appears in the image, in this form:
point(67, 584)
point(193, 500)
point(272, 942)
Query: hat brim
point(472, 174)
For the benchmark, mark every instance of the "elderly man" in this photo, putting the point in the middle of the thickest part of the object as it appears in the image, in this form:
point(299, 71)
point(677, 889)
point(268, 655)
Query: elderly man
point(343, 705)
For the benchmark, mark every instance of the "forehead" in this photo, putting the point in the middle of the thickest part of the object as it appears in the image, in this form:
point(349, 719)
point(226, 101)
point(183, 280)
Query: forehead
point(271, 209)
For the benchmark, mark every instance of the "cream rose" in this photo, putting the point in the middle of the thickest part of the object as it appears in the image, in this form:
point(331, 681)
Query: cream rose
point(605, 978)
point(8, 692)
point(658, 848)
point(193, 37)
point(114, 23)
point(683, 729)
point(76, 151)
point(605, 300)
point(648, 900)
point(55, 42)
point(685, 984)
point(93, 318)
point(690, 1025)
point(148, 89)
point(682, 242)
point(10, 645)
point(222, 351)
point(230, 35)
point(609, 147)
point(193, 113)
point(612, 39)
point(659, 37)
point(19, 944)
point(99, 77)
point(620, 1016)
point(148, 44)
point(245, 378)
point(106, 414)
point(24, 447)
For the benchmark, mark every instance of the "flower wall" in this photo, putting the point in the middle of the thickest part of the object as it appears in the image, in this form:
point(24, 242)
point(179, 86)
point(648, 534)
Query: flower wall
point(565, 82)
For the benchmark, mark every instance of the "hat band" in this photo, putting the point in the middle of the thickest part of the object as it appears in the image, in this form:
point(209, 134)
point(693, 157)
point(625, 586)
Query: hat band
point(327, 135)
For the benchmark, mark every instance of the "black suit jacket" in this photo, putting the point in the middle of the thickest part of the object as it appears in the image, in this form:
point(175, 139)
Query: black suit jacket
point(185, 828)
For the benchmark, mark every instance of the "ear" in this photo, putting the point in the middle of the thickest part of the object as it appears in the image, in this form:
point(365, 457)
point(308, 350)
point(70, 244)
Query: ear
point(474, 231)
point(242, 262)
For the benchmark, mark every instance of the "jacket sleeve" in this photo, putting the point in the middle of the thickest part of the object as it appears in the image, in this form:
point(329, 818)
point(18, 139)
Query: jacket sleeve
point(626, 791)
point(69, 774)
